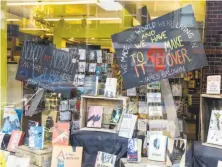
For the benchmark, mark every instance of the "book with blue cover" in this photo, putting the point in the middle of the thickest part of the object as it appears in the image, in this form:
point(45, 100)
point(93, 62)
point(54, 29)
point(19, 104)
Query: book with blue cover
point(134, 150)
point(36, 137)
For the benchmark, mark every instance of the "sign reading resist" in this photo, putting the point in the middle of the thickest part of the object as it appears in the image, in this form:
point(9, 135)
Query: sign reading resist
point(47, 67)
point(167, 46)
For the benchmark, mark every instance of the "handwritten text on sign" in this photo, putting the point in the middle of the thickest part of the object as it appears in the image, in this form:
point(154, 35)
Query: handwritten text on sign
point(161, 49)
point(46, 67)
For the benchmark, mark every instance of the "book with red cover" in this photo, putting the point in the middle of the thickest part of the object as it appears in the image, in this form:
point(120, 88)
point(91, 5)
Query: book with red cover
point(61, 133)
point(15, 140)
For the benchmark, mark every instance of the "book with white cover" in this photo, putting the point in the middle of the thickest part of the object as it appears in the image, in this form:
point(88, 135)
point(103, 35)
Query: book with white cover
point(142, 125)
point(131, 92)
point(110, 87)
point(157, 148)
point(153, 97)
point(142, 107)
point(213, 84)
point(215, 128)
point(127, 125)
point(105, 159)
point(134, 150)
point(155, 111)
point(82, 67)
point(82, 54)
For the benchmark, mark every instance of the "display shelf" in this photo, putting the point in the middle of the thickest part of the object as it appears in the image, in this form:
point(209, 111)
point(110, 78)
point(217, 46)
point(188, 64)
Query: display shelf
point(107, 103)
point(208, 102)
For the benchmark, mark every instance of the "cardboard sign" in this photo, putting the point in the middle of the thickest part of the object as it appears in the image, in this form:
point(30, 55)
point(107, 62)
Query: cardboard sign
point(47, 67)
point(165, 47)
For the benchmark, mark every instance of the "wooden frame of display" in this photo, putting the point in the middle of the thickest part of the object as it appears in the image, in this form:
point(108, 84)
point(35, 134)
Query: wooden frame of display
point(203, 110)
point(87, 101)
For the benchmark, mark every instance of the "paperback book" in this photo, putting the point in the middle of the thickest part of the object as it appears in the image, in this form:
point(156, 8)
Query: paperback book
point(10, 121)
point(215, 128)
point(157, 148)
point(127, 125)
point(61, 133)
point(134, 150)
point(105, 160)
point(176, 152)
point(110, 87)
point(15, 140)
point(95, 114)
point(36, 137)
point(116, 115)
point(91, 85)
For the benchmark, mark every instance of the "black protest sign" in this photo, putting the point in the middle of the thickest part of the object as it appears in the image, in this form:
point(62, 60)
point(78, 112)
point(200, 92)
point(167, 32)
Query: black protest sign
point(167, 46)
point(47, 67)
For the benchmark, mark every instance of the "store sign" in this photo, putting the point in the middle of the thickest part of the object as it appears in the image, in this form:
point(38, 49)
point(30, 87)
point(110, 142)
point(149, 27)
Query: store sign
point(167, 46)
point(47, 67)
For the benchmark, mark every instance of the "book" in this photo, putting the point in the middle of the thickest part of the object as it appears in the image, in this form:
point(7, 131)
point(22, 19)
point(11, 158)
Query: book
point(154, 97)
point(82, 54)
point(66, 156)
point(81, 79)
point(176, 152)
point(95, 114)
point(158, 125)
point(13, 161)
point(213, 84)
point(30, 124)
point(153, 85)
point(15, 140)
point(155, 111)
point(133, 107)
point(36, 137)
point(65, 116)
point(116, 115)
point(142, 125)
point(64, 105)
point(10, 120)
point(177, 90)
point(91, 85)
point(99, 56)
point(48, 121)
point(110, 87)
point(3, 157)
point(215, 128)
point(131, 92)
point(92, 67)
point(127, 125)
point(105, 160)
point(82, 66)
point(134, 150)
point(142, 107)
point(157, 148)
point(92, 55)
point(61, 133)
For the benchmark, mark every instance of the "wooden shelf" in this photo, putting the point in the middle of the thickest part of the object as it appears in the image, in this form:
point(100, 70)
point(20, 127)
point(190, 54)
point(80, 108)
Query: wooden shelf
point(218, 96)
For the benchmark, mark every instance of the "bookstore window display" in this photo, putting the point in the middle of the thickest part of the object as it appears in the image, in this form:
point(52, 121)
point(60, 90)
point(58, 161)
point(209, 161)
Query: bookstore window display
point(103, 88)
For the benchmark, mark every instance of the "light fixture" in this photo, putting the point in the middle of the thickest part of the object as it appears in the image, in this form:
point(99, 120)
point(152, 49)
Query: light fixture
point(49, 34)
point(92, 38)
point(13, 19)
point(102, 18)
point(34, 29)
point(52, 19)
point(66, 19)
point(110, 5)
point(72, 19)
point(52, 3)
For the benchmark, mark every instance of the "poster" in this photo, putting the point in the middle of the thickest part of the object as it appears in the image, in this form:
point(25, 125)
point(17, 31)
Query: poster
point(165, 47)
point(47, 67)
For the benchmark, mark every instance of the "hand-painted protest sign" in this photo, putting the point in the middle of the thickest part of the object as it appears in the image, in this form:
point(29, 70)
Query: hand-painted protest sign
point(161, 49)
point(47, 67)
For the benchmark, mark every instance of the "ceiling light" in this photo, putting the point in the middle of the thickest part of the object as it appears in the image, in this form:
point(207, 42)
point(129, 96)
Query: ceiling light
point(51, 3)
point(72, 19)
point(92, 38)
point(110, 5)
point(103, 18)
point(52, 19)
point(13, 20)
point(34, 29)
point(48, 34)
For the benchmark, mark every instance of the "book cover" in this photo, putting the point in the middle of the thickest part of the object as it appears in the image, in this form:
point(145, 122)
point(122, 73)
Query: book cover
point(48, 121)
point(36, 137)
point(127, 125)
point(15, 140)
point(95, 116)
point(13, 161)
point(213, 84)
point(92, 55)
point(142, 125)
point(116, 115)
point(10, 121)
point(64, 105)
point(98, 71)
point(134, 150)
point(92, 67)
point(131, 92)
point(154, 97)
point(143, 107)
point(30, 124)
point(177, 90)
point(157, 148)
point(99, 56)
point(81, 79)
point(105, 160)
point(61, 133)
point(82, 54)
point(176, 152)
point(82, 66)
point(107, 116)
point(133, 107)
point(155, 111)
point(215, 128)
point(153, 85)
point(110, 87)
point(91, 85)
point(66, 156)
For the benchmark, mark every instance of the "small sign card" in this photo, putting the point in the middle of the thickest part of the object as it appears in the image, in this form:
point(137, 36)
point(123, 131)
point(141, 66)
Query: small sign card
point(154, 97)
point(213, 84)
